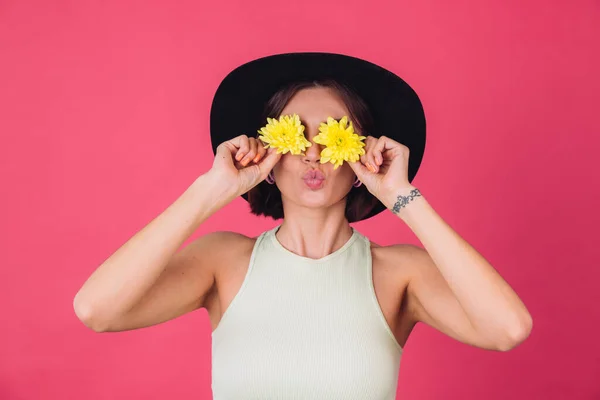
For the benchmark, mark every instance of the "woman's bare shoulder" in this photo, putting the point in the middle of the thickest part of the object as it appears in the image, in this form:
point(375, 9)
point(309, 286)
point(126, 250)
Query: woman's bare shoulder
point(230, 236)
point(226, 248)
point(392, 255)
point(232, 242)
point(396, 248)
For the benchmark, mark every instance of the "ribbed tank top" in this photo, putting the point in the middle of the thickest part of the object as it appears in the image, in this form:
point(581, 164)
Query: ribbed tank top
point(302, 328)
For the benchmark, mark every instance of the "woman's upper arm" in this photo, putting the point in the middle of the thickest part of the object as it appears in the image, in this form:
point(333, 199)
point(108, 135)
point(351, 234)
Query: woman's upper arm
point(183, 286)
point(431, 301)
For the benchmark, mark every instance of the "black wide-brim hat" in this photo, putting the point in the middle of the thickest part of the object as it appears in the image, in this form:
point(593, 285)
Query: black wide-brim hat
point(238, 104)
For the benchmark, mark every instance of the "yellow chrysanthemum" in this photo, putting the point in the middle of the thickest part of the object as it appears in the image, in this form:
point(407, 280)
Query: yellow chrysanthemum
point(342, 144)
point(286, 134)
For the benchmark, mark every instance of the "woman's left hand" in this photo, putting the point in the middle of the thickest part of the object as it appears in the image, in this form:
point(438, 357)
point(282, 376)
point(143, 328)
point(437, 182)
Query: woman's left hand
point(383, 169)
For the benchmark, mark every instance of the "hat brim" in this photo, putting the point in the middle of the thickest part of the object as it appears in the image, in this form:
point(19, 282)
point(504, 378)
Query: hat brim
point(397, 112)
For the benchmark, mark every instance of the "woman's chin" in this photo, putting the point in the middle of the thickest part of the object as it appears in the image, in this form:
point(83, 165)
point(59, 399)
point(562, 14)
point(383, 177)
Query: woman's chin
point(315, 198)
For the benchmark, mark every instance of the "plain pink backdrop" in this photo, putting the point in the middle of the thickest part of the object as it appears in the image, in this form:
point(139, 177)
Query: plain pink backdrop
point(104, 116)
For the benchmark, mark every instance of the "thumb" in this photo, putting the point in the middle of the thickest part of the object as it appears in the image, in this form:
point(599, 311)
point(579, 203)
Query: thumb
point(268, 162)
point(360, 170)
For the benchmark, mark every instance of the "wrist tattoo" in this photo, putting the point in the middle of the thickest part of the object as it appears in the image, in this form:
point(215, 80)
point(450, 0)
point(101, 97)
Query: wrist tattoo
point(402, 201)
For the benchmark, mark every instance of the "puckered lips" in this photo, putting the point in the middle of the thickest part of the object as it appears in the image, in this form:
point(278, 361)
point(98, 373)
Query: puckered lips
point(314, 179)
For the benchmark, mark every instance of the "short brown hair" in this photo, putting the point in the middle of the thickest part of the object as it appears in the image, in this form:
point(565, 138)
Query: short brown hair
point(265, 199)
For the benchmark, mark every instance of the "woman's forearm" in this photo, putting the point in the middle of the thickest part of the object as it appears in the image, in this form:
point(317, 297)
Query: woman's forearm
point(121, 281)
point(491, 305)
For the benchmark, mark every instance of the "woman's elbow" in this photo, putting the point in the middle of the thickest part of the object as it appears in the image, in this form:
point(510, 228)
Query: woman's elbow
point(518, 334)
point(86, 314)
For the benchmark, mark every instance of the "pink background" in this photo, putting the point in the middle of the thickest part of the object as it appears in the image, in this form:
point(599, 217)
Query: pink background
point(104, 110)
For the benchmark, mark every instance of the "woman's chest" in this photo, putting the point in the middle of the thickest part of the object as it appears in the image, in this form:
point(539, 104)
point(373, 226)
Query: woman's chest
point(389, 284)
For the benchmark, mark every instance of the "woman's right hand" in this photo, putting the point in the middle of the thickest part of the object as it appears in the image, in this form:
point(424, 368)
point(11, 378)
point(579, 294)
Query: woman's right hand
point(242, 163)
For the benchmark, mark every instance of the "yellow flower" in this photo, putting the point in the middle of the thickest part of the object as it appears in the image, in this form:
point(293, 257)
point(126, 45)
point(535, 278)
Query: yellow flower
point(342, 144)
point(286, 134)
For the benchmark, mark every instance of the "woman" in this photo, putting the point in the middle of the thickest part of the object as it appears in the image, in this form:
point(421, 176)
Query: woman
point(312, 308)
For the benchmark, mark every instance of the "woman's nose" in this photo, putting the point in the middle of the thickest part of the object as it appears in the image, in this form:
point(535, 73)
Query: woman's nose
point(312, 153)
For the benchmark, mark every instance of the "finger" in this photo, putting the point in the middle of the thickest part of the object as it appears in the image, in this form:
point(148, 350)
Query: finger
point(237, 141)
point(370, 160)
point(359, 169)
point(261, 151)
point(389, 144)
point(363, 158)
point(371, 164)
point(243, 144)
point(226, 150)
point(366, 158)
point(379, 149)
point(367, 161)
point(251, 152)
